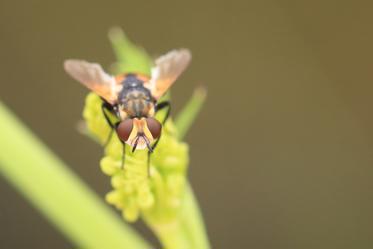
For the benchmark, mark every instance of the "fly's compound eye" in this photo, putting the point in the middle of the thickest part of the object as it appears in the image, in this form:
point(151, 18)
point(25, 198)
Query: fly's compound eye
point(154, 127)
point(124, 129)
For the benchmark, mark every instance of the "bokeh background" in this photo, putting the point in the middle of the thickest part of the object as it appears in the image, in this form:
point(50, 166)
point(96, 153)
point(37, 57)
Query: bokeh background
point(281, 153)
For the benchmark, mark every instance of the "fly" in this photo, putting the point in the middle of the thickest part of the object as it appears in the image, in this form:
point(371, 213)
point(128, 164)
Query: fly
point(133, 98)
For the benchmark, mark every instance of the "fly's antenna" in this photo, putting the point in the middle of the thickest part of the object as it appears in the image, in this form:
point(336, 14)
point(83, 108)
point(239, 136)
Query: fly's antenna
point(147, 143)
point(135, 145)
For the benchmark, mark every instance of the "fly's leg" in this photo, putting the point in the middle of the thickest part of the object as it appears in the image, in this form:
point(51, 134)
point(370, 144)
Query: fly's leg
point(123, 154)
point(123, 146)
point(161, 106)
point(158, 107)
point(148, 163)
point(106, 107)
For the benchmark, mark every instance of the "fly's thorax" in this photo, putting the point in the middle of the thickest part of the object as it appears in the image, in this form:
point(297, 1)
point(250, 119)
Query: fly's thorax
point(136, 101)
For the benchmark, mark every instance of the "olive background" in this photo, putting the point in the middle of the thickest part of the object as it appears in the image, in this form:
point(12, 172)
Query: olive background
point(281, 155)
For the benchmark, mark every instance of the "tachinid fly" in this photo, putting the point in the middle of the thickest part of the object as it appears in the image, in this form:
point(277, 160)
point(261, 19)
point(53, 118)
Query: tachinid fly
point(133, 98)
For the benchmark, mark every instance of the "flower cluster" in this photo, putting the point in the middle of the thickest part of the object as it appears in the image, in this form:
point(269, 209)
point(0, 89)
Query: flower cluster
point(157, 196)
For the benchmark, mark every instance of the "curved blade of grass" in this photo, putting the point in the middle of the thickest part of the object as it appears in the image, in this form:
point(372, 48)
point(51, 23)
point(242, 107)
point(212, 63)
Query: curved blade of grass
point(57, 192)
point(189, 113)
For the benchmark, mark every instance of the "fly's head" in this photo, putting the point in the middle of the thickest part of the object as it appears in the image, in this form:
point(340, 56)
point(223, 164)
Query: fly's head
point(139, 132)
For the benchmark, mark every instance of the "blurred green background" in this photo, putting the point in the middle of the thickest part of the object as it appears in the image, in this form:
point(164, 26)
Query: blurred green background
point(281, 156)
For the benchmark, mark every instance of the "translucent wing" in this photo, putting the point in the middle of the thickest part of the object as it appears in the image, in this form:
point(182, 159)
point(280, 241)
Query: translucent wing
point(167, 69)
point(93, 77)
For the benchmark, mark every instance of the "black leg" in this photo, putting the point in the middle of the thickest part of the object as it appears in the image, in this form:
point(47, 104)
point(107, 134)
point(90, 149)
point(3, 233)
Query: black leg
point(109, 137)
point(106, 107)
point(148, 164)
point(123, 155)
point(159, 106)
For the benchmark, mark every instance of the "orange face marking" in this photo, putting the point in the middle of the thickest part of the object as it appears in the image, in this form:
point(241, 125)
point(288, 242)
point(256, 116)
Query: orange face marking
point(140, 133)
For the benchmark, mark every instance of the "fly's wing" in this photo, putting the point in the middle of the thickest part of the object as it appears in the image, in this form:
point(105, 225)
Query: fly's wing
point(93, 77)
point(166, 70)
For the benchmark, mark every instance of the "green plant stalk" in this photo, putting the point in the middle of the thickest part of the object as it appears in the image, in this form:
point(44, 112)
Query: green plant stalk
point(186, 117)
point(191, 217)
point(59, 194)
point(188, 231)
point(193, 222)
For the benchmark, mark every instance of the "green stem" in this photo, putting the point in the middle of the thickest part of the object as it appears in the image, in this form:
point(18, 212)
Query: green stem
point(189, 230)
point(185, 232)
point(193, 222)
point(172, 235)
point(189, 113)
point(57, 192)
